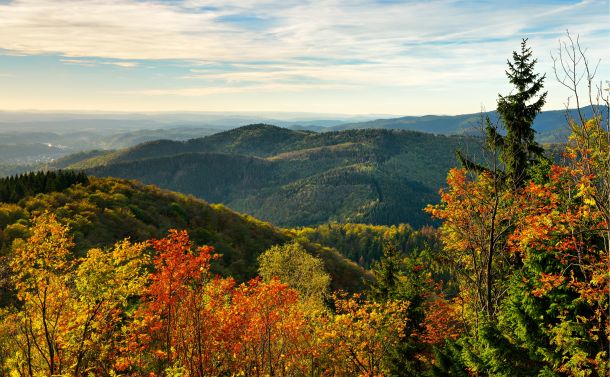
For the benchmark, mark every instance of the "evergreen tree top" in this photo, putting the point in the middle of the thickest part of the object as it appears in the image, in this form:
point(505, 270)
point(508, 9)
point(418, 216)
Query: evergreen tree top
point(520, 73)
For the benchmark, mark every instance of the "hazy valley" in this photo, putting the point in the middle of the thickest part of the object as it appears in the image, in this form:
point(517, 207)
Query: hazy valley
point(295, 175)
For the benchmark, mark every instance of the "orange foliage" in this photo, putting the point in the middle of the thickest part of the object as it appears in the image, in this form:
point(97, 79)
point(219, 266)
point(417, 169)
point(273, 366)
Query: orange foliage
point(82, 316)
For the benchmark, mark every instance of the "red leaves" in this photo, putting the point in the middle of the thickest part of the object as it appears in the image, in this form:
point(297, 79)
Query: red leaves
point(177, 268)
point(562, 238)
point(178, 275)
point(547, 283)
point(210, 326)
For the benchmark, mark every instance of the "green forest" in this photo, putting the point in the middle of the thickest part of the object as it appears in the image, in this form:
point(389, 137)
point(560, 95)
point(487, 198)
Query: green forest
point(309, 268)
point(15, 188)
point(298, 178)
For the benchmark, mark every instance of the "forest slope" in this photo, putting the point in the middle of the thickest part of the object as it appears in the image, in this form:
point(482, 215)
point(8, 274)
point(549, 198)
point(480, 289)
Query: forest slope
point(108, 210)
point(297, 178)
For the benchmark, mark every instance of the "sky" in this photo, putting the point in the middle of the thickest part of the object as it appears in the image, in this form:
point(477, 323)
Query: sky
point(322, 56)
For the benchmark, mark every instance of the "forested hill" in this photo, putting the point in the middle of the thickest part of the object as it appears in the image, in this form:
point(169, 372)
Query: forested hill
point(104, 211)
point(258, 140)
point(296, 178)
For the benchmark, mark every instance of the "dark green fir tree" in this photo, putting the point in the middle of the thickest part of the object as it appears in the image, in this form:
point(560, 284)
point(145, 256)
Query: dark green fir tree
point(517, 149)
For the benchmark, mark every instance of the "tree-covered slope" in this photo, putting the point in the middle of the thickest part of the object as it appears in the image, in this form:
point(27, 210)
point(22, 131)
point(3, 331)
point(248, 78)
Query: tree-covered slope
point(294, 178)
point(365, 243)
point(104, 211)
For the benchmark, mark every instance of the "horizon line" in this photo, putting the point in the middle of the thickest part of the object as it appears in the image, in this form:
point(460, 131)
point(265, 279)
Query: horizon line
point(257, 112)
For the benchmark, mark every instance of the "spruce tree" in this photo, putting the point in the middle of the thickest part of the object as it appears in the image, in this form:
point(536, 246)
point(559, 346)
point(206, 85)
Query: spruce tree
point(395, 279)
point(386, 273)
point(518, 150)
point(517, 112)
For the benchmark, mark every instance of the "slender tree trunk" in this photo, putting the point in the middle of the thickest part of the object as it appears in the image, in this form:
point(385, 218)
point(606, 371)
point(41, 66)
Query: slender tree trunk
point(29, 349)
point(168, 339)
point(492, 246)
point(81, 348)
point(47, 334)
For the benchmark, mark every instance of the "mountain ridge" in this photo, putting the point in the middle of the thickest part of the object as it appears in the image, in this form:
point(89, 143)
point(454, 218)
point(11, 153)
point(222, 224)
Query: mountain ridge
point(550, 125)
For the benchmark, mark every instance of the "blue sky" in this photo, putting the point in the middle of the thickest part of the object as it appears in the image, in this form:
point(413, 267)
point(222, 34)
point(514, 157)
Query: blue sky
point(331, 56)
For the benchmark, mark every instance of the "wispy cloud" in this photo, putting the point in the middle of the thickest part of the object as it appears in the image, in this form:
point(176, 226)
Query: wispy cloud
point(93, 63)
point(122, 64)
point(236, 46)
point(81, 62)
point(208, 90)
point(224, 30)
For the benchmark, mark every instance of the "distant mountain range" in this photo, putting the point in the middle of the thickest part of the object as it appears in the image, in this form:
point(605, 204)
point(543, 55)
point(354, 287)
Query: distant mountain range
point(124, 122)
point(296, 178)
point(551, 126)
point(28, 139)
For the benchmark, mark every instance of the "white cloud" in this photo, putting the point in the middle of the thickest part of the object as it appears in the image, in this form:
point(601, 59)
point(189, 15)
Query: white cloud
point(249, 45)
point(399, 72)
point(332, 29)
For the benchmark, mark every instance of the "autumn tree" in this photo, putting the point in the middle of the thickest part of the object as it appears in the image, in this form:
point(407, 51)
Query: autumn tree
point(200, 325)
point(558, 302)
point(293, 265)
point(479, 209)
point(71, 310)
point(430, 317)
point(589, 145)
point(358, 339)
point(476, 220)
point(274, 334)
point(554, 318)
point(179, 273)
point(551, 316)
point(104, 282)
point(40, 265)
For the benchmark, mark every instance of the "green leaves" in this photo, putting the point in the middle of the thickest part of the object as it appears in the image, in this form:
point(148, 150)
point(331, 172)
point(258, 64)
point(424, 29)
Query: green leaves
point(293, 265)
